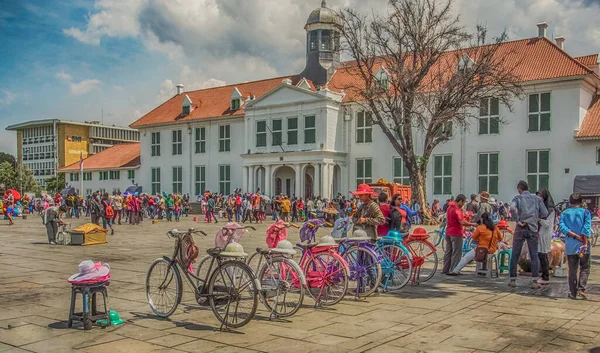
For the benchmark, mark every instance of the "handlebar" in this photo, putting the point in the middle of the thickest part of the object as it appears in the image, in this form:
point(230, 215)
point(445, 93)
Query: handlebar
point(176, 232)
point(238, 228)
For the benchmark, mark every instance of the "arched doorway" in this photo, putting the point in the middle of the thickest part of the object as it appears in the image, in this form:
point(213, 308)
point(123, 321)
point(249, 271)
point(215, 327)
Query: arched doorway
point(285, 179)
point(260, 180)
point(337, 180)
point(309, 174)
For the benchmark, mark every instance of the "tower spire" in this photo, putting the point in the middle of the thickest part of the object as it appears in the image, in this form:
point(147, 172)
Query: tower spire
point(324, 3)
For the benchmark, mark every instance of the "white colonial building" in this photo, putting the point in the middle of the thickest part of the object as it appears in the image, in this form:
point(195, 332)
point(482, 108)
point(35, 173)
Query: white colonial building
point(113, 170)
point(303, 135)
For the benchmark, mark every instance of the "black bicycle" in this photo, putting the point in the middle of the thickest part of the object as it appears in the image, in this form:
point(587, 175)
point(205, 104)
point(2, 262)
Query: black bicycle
point(231, 289)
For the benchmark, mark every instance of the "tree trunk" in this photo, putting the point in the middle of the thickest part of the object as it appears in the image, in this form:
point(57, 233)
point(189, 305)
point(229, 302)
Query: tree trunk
point(419, 192)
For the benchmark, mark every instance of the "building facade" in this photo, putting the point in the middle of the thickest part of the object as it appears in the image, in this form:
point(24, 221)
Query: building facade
point(289, 135)
point(47, 145)
point(112, 170)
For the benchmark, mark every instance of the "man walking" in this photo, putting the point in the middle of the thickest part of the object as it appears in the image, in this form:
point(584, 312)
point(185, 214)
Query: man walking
point(527, 210)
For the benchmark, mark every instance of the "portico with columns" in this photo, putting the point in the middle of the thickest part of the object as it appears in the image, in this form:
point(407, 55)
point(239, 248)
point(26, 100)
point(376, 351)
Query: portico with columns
point(295, 174)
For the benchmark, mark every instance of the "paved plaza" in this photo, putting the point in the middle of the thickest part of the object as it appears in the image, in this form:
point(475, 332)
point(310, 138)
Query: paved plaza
point(447, 314)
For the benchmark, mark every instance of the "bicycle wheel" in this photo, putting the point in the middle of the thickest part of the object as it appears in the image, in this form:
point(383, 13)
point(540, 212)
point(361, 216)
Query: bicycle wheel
point(595, 234)
point(365, 271)
point(326, 278)
point(233, 294)
point(281, 288)
point(163, 287)
point(202, 270)
point(427, 252)
point(396, 265)
point(255, 261)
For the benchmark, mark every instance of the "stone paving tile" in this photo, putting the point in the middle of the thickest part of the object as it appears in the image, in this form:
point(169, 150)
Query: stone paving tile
point(171, 340)
point(26, 334)
point(126, 345)
point(289, 346)
point(138, 332)
point(72, 339)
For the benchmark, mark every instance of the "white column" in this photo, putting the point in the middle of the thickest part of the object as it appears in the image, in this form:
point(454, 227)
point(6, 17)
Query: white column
point(297, 169)
point(317, 181)
point(251, 186)
point(245, 179)
point(344, 188)
point(326, 184)
point(267, 190)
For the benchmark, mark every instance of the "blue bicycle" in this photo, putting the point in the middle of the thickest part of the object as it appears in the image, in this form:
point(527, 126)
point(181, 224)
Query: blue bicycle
point(396, 261)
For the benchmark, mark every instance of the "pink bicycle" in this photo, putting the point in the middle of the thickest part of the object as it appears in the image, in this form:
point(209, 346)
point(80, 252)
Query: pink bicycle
point(326, 272)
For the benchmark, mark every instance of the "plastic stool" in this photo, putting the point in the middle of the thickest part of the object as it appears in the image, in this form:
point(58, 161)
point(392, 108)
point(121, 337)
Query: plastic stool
point(487, 269)
point(504, 261)
point(89, 313)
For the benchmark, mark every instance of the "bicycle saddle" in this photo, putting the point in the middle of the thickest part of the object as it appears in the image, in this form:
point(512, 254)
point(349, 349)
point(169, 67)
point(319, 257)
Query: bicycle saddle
point(214, 251)
point(307, 246)
point(176, 232)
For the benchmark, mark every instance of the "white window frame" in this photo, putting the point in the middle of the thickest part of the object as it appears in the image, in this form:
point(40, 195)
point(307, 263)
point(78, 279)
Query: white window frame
point(261, 133)
point(292, 131)
point(177, 142)
point(313, 129)
point(200, 140)
point(443, 176)
point(224, 181)
point(177, 178)
point(488, 116)
point(488, 175)
point(155, 144)
point(539, 112)
point(363, 128)
point(225, 140)
point(274, 141)
point(364, 179)
point(199, 179)
point(537, 173)
point(404, 177)
point(155, 180)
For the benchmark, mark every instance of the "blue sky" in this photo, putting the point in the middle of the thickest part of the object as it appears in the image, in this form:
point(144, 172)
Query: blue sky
point(70, 59)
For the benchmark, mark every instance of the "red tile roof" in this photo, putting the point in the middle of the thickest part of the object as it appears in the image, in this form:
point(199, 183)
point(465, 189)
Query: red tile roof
point(118, 156)
point(590, 127)
point(588, 60)
point(209, 103)
point(539, 59)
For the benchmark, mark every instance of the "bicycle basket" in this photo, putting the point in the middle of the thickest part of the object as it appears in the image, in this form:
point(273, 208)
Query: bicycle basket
point(222, 237)
point(309, 229)
point(341, 227)
point(275, 233)
point(188, 252)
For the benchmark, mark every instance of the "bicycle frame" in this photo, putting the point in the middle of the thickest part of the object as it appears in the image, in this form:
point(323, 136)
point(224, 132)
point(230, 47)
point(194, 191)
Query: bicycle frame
point(387, 266)
point(346, 244)
point(309, 254)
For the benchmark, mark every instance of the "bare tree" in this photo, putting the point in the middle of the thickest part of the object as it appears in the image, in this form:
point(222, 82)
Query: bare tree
point(419, 71)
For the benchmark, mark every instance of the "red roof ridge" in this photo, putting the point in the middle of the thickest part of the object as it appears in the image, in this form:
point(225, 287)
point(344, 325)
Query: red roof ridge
point(590, 126)
point(589, 71)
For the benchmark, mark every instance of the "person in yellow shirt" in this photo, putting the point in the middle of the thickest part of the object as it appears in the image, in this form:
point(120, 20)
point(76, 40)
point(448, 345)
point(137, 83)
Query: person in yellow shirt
point(286, 207)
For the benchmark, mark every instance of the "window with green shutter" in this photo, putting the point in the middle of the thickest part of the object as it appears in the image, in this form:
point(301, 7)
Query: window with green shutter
point(224, 179)
point(488, 172)
point(401, 175)
point(199, 179)
point(364, 127)
point(538, 169)
point(364, 171)
point(177, 142)
point(200, 140)
point(539, 112)
point(489, 116)
point(261, 134)
point(224, 138)
point(292, 131)
point(177, 180)
point(442, 175)
point(276, 127)
point(155, 180)
point(310, 130)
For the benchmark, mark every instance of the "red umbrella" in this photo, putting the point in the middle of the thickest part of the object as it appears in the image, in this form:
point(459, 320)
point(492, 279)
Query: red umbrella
point(16, 195)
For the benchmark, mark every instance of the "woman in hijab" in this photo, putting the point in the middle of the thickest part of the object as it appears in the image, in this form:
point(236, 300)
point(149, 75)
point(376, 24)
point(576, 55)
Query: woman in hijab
point(545, 235)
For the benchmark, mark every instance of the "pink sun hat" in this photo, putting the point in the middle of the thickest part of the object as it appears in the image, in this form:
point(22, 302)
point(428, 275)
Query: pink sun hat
point(91, 272)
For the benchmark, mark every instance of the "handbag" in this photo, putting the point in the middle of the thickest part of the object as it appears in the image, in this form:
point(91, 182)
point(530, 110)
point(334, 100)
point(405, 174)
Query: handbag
point(481, 252)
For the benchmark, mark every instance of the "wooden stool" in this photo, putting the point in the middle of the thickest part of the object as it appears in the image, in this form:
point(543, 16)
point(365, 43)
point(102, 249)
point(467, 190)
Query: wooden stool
point(487, 268)
point(89, 314)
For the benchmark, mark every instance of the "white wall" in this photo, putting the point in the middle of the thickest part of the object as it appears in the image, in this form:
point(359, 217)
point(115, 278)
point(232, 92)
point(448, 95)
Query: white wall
point(107, 185)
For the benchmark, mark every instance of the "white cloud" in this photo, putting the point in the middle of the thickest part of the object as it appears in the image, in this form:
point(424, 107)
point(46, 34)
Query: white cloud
point(118, 88)
point(63, 76)
point(6, 97)
point(84, 86)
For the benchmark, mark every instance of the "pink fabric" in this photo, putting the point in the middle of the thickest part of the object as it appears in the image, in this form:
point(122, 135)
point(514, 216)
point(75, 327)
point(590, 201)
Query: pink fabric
point(275, 233)
point(93, 280)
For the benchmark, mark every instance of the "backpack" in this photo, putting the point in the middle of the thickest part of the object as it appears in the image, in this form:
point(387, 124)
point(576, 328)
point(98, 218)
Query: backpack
point(109, 212)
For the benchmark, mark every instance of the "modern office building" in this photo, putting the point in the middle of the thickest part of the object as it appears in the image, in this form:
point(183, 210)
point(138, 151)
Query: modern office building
point(48, 145)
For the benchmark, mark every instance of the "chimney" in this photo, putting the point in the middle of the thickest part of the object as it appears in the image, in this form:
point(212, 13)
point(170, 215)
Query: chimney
point(542, 26)
point(560, 42)
point(179, 88)
point(287, 81)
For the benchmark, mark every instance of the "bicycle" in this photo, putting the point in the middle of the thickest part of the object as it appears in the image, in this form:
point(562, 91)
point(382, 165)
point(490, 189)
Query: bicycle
point(231, 289)
point(363, 261)
point(595, 233)
point(326, 272)
point(396, 261)
point(440, 234)
point(281, 279)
